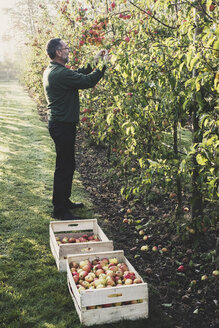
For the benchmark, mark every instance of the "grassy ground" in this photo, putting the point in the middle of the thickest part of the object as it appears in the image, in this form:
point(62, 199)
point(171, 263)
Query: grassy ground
point(32, 291)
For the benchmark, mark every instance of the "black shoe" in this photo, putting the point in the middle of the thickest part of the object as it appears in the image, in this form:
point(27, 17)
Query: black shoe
point(72, 206)
point(63, 215)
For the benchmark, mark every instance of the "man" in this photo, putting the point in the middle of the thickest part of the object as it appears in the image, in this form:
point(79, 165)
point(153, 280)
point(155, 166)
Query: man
point(61, 87)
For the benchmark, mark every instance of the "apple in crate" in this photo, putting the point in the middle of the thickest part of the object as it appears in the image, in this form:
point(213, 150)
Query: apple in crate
point(75, 277)
point(122, 266)
point(65, 240)
point(72, 240)
point(98, 272)
point(73, 264)
point(89, 278)
point(113, 260)
point(83, 274)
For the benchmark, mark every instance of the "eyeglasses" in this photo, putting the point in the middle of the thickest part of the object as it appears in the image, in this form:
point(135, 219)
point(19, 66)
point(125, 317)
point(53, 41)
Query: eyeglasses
point(67, 48)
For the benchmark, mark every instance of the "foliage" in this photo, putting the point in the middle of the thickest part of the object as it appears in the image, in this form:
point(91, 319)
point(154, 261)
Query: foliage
point(162, 74)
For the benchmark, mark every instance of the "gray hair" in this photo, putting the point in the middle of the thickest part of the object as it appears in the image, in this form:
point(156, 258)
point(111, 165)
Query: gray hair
point(52, 46)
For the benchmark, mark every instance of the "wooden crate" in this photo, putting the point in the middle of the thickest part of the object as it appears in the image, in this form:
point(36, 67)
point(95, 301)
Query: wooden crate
point(76, 228)
point(99, 297)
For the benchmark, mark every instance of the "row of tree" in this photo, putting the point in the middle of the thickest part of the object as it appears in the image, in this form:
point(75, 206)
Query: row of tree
point(156, 111)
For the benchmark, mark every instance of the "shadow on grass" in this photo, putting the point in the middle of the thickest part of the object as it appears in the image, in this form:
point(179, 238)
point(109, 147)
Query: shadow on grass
point(32, 291)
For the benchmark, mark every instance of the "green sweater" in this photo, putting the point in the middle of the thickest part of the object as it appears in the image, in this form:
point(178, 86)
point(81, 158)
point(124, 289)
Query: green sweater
point(61, 86)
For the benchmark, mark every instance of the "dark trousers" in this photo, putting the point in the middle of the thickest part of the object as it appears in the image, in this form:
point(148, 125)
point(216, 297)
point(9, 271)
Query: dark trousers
point(63, 135)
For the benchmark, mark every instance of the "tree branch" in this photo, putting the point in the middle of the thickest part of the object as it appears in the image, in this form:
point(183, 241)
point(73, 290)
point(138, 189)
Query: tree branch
point(152, 16)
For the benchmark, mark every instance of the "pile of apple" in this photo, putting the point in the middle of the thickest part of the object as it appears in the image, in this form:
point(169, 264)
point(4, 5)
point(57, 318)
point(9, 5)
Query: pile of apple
point(71, 240)
point(102, 273)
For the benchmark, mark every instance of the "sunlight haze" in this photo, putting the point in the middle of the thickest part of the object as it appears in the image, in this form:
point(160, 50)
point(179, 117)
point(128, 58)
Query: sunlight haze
point(6, 34)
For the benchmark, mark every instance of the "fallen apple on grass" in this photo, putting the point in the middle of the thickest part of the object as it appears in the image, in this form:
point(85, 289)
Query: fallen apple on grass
point(144, 248)
point(154, 248)
point(215, 273)
point(181, 268)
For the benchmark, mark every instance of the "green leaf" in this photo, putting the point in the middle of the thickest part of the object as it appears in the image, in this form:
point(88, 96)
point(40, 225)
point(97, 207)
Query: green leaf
point(201, 160)
point(193, 61)
point(216, 45)
point(138, 227)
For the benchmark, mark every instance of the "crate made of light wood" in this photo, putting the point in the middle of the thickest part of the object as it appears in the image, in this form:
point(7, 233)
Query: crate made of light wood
point(106, 305)
point(75, 229)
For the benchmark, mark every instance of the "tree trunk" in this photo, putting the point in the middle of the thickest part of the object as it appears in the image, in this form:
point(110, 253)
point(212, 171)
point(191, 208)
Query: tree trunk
point(197, 201)
point(178, 178)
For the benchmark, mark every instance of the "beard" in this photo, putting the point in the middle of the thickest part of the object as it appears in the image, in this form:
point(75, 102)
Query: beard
point(65, 59)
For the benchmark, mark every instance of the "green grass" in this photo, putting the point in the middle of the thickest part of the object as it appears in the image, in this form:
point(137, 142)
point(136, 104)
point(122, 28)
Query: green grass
point(33, 293)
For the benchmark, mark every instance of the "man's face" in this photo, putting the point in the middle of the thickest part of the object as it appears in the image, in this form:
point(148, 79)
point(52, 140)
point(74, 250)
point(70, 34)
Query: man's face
point(63, 52)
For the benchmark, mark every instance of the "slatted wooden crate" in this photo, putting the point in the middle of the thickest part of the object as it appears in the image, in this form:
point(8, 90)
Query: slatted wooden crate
point(99, 306)
point(75, 229)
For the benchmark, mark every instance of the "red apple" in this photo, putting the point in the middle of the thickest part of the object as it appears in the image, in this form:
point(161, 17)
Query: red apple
point(110, 281)
point(76, 279)
point(104, 261)
point(129, 275)
point(73, 264)
point(113, 4)
point(85, 284)
point(98, 266)
point(83, 274)
point(71, 240)
point(98, 272)
point(113, 268)
point(87, 267)
point(181, 268)
point(212, 7)
point(123, 267)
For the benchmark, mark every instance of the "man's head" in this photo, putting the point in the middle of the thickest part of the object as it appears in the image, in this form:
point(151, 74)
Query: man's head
point(57, 50)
